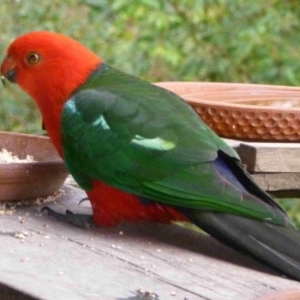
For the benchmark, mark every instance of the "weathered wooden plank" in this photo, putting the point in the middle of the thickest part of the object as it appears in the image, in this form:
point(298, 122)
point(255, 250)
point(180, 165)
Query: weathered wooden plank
point(236, 143)
point(58, 261)
point(278, 181)
point(274, 166)
point(270, 159)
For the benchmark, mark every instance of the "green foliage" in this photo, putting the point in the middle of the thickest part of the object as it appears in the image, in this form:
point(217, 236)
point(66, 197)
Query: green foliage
point(293, 207)
point(198, 40)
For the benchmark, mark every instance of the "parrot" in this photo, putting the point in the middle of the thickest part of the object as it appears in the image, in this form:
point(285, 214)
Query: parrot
point(143, 154)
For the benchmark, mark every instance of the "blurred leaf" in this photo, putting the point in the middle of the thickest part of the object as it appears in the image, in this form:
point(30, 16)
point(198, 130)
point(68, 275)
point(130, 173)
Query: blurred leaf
point(204, 40)
point(292, 205)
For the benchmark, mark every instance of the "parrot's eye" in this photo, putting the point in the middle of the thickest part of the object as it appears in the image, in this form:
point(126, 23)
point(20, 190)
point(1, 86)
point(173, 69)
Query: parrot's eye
point(33, 58)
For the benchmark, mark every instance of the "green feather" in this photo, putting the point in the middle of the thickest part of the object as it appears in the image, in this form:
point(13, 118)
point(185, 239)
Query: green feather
point(147, 141)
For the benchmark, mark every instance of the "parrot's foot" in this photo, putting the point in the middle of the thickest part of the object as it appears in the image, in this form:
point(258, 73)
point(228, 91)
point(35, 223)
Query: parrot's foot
point(79, 220)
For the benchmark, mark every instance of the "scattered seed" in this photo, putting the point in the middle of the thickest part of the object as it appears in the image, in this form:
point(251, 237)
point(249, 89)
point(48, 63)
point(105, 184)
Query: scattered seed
point(7, 157)
point(146, 295)
point(9, 207)
point(20, 235)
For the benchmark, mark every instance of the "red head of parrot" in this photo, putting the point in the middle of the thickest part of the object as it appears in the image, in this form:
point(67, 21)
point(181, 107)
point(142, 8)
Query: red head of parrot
point(49, 67)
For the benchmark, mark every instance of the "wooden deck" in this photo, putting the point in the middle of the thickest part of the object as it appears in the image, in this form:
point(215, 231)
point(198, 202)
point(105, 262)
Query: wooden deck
point(42, 258)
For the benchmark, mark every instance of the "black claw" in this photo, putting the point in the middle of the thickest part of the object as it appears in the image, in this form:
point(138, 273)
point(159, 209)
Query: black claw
point(82, 221)
point(82, 200)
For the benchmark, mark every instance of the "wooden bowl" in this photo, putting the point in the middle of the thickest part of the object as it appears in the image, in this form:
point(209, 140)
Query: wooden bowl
point(244, 111)
point(28, 180)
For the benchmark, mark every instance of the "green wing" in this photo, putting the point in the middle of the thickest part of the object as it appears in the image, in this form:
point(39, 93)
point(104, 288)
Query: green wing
point(147, 141)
